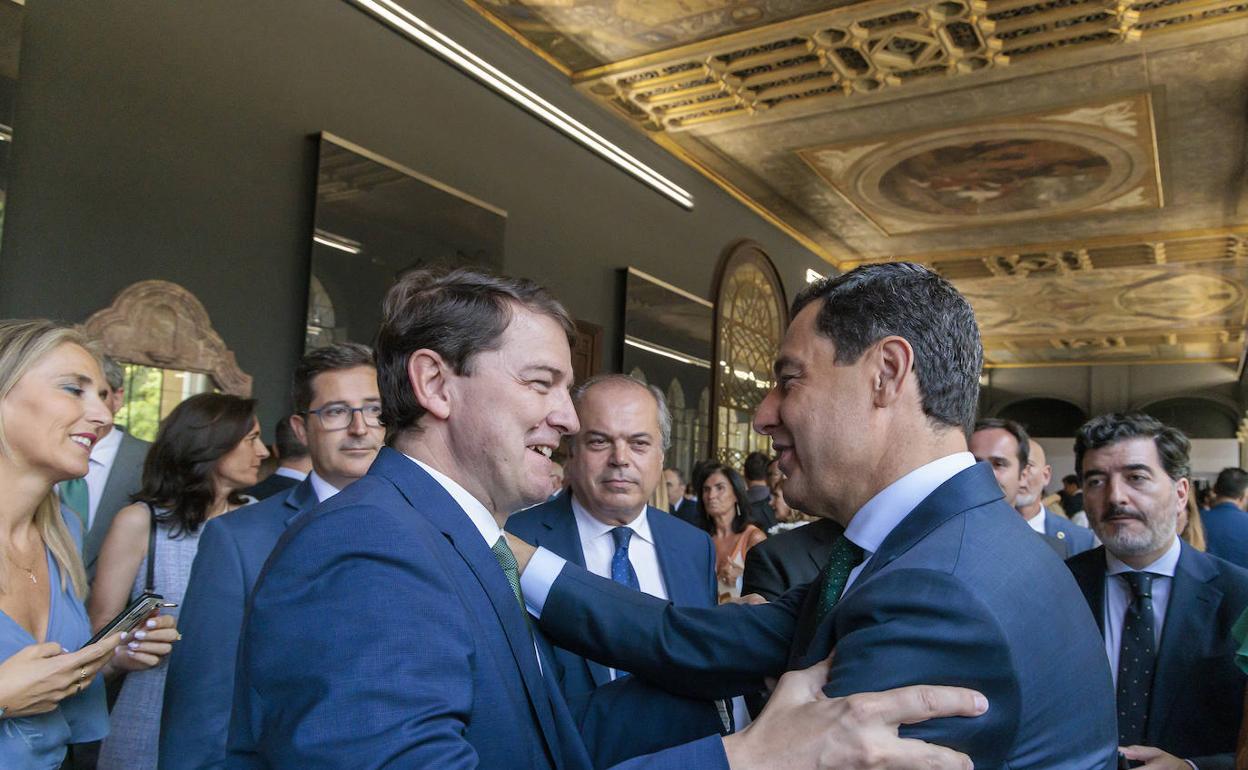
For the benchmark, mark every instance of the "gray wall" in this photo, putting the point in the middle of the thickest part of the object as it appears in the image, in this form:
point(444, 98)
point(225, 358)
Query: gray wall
point(172, 140)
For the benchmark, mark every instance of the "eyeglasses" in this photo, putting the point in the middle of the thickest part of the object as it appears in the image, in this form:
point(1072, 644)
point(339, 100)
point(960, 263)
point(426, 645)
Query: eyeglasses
point(340, 416)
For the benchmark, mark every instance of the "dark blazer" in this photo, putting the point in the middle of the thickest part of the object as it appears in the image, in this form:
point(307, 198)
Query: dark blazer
point(1226, 531)
point(687, 562)
point(125, 478)
point(199, 687)
point(1198, 691)
point(382, 632)
point(270, 486)
point(789, 559)
point(949, 598)
point(1074, 538)
point(687, 511)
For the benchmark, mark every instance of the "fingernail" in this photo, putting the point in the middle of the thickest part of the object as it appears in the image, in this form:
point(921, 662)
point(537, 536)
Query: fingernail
point(125, 635)
point(151, 624)
point(981, 703)
point(140, 634)
point(63, 649)
point(130, 653)
point(133, 645)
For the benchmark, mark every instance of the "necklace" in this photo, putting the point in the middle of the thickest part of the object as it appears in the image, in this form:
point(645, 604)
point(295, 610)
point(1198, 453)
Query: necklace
point(30, 571)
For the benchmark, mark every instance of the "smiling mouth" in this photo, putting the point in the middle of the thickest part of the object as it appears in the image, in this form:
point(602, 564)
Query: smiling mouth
point(544, 451)
point(83, 441)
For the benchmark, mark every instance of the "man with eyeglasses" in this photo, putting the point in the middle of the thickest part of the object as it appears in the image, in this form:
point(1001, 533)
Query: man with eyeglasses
point(338, 416)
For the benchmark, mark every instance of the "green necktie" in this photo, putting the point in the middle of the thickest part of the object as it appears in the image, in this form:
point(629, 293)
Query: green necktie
point(844, 557)
point(507, 560)
point(77, 498)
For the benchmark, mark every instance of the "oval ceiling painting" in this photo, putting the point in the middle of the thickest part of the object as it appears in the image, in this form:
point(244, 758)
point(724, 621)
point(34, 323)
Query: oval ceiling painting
point(990, 177)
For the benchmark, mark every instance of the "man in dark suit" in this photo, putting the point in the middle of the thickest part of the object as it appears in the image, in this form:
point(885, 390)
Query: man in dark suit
point(1037, 473)
point(387, 627)
point(683, 508)
point(293, 463)
point(1005, 446)
point(615, 462)
point(115, 472)
point(337, 406)
point(1165, 609)
point(1226, 523)
point(762, 515)
point(789, 559)
point(936, 577)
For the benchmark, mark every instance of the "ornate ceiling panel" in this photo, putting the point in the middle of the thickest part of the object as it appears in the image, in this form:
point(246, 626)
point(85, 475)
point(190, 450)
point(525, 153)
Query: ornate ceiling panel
point(1078, 167)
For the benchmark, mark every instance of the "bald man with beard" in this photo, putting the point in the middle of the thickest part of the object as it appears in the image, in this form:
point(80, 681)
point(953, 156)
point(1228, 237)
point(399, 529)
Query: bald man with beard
point(1037, 473)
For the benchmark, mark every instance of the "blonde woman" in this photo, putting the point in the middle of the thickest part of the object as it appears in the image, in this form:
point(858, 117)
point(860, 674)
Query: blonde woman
point(51, 415)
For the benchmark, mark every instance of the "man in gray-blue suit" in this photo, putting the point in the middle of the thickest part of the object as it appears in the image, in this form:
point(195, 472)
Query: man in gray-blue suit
point(1037, 473)
point(603, 523)
point(337, 410)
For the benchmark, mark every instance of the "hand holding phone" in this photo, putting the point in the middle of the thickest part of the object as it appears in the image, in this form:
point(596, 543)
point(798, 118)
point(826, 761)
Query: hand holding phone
point(131, 616)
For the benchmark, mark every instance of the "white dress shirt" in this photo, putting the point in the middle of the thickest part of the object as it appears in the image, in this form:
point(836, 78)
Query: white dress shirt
point(98, 467)
point(876, 520)
point(1118, 599)
point(599, 548)
point(322, 488)
point(1037, 522)
point(289, 473)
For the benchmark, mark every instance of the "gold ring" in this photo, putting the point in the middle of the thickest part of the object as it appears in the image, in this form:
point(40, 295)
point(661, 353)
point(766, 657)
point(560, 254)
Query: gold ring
point(82, 674)
point(179, 637)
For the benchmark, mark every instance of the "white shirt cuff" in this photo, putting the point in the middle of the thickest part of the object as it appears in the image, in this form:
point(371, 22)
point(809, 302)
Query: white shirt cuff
point(538, 578)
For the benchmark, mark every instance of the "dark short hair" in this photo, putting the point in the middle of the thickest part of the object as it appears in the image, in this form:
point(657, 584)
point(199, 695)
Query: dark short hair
point(1231, 483)
point(177, 474)
point(455, 313)
point(742, 516)
point(1172, 445)
point(1070, 478)
point(1014, 429)
point(872, 302)
point(755, 466)
point(331, 358)
point(288, 445)
point(680, 476)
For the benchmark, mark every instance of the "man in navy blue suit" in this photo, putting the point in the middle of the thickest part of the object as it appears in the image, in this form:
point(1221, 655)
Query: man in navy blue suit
point(1226, 523)
point(334, 394)
point(603, 523)
point(1037, 473)
point(1165, 609)
point(936, 578)
point(387, 628)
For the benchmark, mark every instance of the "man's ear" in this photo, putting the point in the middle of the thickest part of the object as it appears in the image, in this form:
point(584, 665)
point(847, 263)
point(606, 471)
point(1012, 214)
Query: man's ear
point(894, 361)
point(299, 425)
point(429, 375)
point(1182, 489)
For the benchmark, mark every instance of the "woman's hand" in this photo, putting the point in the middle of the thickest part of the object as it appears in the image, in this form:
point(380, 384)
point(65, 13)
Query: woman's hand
point(35, 679)
point(147, 644)
point(731, 570)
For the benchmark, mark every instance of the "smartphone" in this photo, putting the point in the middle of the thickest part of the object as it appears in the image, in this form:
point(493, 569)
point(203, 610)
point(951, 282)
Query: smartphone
point(131, 616)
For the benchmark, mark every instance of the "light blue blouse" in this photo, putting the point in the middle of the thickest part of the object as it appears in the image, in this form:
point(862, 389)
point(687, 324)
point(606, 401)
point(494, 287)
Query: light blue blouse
point(39, 742)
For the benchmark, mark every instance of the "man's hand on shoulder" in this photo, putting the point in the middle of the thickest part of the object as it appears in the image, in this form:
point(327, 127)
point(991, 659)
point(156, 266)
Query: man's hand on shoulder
point(1154, 758)
point(803, 728)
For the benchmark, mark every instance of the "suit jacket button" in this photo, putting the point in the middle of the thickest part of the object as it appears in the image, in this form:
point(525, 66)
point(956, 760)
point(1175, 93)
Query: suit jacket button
point(1061, 535)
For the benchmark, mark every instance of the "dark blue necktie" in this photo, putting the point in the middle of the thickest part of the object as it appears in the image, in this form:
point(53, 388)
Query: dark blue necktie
point(622, 570)
point(1136, 659)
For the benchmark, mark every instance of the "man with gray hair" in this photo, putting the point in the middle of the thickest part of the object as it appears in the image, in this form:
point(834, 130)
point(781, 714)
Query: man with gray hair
point(115, 471)
point(603, 523)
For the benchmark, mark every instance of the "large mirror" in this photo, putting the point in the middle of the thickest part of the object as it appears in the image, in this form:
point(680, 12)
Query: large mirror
point(376, 220)
point(667, 343)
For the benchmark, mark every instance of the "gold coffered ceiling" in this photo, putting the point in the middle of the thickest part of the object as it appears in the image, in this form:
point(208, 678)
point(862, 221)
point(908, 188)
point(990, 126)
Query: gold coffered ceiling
point(1077, 167)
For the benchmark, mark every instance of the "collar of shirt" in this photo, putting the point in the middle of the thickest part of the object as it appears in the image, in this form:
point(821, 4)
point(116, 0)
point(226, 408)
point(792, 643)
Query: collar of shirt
point(593, 528)
point(880, 516)
point(1165, 565)
point(289, 473)
point(477, 512)
point(105, 450)
point(1037, 522)
point(323, 489)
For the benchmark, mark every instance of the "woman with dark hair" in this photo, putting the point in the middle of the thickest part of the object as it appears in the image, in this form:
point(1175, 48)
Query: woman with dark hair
point(723, 508)
point(206, 450)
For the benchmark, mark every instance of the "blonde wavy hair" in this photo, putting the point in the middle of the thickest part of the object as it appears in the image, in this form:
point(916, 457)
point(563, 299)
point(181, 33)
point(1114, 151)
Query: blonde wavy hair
point(22, 344)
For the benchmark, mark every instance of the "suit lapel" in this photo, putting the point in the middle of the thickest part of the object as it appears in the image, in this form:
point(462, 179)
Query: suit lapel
point(302, 497)
point(428, 498)
point(968, 489)
point(561, 535)
point(674, 566)
point(1089, 571)
point(1186, 633)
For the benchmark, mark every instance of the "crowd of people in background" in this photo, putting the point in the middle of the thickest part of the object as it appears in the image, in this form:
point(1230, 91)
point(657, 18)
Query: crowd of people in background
point(961, 569)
